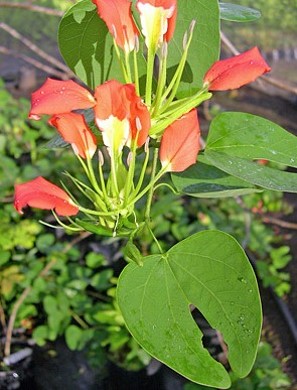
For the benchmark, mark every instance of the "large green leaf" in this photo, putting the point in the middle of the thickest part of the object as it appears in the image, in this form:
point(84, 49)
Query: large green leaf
point(87, 46)
point(238, 13)
point(250, 136)
point(265, 177)
point(236, 139)
point(205, 46)
point(203, 180)
point(210, 271)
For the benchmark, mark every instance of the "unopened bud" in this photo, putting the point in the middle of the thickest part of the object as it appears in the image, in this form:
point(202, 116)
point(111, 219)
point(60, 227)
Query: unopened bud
point(100, 158)
point(129, 158)
point(136, 47)
point(146, 145)
point(192, 26)
point(138, 124)
point(164, 50)
point(114, 31)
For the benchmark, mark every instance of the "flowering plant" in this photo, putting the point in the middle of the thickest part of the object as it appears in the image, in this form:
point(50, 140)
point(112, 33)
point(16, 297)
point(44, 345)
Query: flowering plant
point(148, 65)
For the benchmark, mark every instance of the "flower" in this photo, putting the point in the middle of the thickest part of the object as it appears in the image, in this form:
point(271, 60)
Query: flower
point(180, 143)
point(236, 71)
point(74, 129)
point(57, 97)
point(158, 18)
point(118, 18)
point(42, 194)
point(121, 115)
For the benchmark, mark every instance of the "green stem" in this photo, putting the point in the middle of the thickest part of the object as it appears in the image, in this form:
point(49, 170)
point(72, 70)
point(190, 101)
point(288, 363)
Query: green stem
point(142, 174)
point(173, 115)
point(129, 183)
point(102, 181)
point(149, 77)
point(161, 80)
point(113, 173)
point(151, 190)
point(128, 69)
point(174, 84)
point(124, 71)
point(155, 239)
point(92, 177)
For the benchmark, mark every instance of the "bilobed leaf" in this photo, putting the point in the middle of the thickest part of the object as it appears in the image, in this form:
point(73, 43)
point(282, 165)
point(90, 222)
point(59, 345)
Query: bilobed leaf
point(210, 271)
point(205, 45)
point(238, 13)
point(204, 180)
point(235, 140)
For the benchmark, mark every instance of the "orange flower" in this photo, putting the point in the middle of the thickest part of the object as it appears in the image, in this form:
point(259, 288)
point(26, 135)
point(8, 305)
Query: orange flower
point(74, 129)
point(180, 143)
point(236, 71)
point(158, 19)
point(121, 115)
point(118, 18)
point(42, 194)
point(57, 97)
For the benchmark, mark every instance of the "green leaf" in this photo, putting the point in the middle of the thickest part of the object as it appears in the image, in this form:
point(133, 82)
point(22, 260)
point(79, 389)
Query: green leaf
point(236, 139)
point(55, 143)
point(73, 335)
point(93, 228)
point(210, 271)
point(101, 280)
point(203, 180)
point(95, 260)
point(87, 46)
point(44, 242)
point(132, 253)
point(205, 45)
point(40, 334)
point(265, 177)
point(250, 136)
point(238, 13)
point(50, 304)
point(4, 257)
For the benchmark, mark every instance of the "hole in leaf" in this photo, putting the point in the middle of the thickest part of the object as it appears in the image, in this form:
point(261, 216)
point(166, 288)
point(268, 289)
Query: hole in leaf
point(212, 339)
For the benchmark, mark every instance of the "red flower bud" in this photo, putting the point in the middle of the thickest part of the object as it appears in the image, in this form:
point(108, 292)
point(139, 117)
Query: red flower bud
point(180, 143)
point(118, 18)
point(74, 129)
point(236, 71)
point(42, 194)
point(57, 97)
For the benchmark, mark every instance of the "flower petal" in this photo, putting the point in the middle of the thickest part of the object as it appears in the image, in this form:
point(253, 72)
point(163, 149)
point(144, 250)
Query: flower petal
point(74, 129)
point(180, 143)
point(236, 71)
point(118, 18)
point(139, 116)
point(158, 19)
point(42, 194)
point(57, 97)
point(117, 103)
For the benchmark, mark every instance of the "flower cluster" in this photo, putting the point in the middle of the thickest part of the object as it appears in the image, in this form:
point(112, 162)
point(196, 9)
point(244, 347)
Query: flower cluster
point(126, 121)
